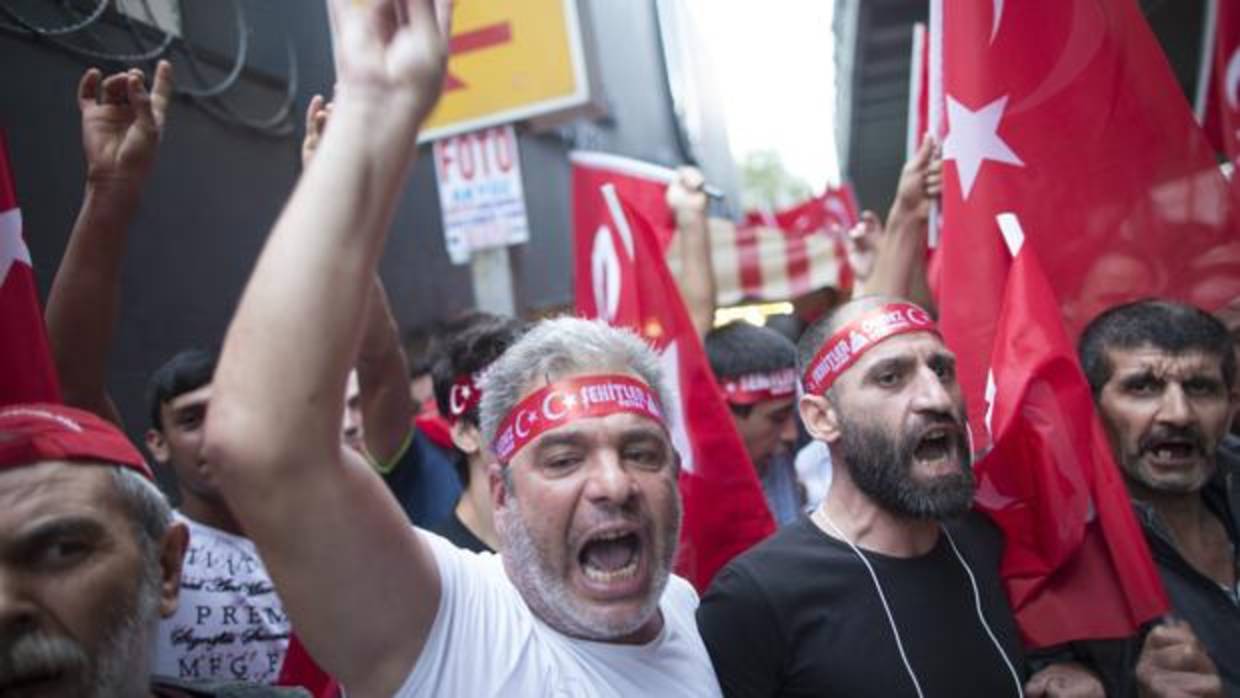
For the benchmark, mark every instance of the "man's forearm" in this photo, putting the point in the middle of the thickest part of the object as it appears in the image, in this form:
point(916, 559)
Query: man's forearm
point(901, 258)
point(383, 381)
point(697, 280)
point(85, 297)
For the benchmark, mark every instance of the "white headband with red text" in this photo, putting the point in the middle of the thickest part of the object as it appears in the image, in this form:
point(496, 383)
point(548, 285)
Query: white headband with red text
point(848, 344)
point(568, 400)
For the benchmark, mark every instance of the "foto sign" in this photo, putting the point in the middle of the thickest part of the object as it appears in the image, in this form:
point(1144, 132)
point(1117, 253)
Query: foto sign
point(480, 191)
point(509, 61)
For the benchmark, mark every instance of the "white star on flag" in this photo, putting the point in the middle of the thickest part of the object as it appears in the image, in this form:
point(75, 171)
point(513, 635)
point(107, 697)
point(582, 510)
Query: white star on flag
point(974, 137)
point(12, 246)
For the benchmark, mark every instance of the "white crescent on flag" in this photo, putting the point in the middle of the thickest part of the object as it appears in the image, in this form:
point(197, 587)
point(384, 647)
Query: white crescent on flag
point(1233, 80)
point(12, 245)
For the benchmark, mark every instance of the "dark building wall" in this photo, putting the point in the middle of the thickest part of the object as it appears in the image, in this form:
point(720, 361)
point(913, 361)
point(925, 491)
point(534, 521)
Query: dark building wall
point(218, 188)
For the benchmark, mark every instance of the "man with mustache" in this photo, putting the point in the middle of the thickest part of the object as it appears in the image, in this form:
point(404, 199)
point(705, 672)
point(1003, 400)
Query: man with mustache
point(890, 588)
point(1163, 376)
point(579, 602)
point(90, 560)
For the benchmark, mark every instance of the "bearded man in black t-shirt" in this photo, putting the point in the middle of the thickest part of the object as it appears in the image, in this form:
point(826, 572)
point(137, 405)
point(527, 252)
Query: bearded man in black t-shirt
point(890, 588)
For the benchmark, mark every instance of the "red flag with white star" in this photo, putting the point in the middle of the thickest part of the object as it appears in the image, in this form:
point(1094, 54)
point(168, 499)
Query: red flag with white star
point(1067, 114)
point(621, 277)
point(28, 374)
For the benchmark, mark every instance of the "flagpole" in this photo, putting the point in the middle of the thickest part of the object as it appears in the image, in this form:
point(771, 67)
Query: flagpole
point(934, 110)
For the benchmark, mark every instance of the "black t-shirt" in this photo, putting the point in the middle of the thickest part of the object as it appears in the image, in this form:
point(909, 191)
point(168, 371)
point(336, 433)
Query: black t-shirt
point(799, 615)
point(455, 531)
point(424, 481)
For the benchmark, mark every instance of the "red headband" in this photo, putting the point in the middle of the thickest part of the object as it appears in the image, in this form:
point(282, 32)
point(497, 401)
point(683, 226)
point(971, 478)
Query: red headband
point(566, 401)
point(464, 395)
point(847, 345)
point(36, 432)
point(752, 388)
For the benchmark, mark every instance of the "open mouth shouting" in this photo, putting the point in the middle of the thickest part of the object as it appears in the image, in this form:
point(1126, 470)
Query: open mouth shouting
point(614, 561)
point(48, 681)
point(937, 450)
point(1172, 450)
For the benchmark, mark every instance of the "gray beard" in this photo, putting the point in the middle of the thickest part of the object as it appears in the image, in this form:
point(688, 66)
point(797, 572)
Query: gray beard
point(548, 596)
point(881, 466)
point(119, 670)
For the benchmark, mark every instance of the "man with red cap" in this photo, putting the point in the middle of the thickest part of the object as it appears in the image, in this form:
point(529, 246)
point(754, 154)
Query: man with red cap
point(90, 559)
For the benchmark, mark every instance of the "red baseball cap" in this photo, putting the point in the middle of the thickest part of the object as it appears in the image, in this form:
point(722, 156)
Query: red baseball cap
point(35, 432)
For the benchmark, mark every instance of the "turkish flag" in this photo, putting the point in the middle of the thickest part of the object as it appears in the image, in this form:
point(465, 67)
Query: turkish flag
point(1067, 114)
point(622, 277)
point(642, 184)
point(29, 373)
point(1074, 564)
point(1218, 93)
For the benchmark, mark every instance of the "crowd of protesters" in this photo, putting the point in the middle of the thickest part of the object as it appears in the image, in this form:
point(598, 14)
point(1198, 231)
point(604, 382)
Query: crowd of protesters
point(519, 540)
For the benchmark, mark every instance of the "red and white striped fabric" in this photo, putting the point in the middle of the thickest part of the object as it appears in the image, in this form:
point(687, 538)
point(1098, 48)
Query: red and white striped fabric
point(782, 255)
point(768, 256)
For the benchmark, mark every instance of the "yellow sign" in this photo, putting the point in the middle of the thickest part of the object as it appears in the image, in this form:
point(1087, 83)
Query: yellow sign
point(510, 60)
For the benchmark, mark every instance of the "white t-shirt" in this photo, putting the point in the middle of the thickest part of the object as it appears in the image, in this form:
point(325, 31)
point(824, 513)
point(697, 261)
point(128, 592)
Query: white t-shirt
point(486, 642)
point(229, 623)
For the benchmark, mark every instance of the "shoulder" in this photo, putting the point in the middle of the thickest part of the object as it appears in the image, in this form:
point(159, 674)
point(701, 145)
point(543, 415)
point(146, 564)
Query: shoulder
point(772, 571)
point(790, 546)
point(977, 536)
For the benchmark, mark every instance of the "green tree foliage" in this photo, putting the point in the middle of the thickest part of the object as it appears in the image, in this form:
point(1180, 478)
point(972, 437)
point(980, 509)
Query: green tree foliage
point(766, 184)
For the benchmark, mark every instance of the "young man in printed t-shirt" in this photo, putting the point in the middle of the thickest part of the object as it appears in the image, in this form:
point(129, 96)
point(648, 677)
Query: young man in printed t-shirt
point(230, 622)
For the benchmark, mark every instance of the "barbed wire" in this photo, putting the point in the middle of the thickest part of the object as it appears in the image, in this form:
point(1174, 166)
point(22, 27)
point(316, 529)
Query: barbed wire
point(204, 94)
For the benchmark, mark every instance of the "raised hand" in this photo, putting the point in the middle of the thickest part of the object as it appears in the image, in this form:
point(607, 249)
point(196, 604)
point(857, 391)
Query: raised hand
point(122, 123)
point(685, 195)
point(921, 180)
point(392, 49)
point(317, 113)
point(862, 242)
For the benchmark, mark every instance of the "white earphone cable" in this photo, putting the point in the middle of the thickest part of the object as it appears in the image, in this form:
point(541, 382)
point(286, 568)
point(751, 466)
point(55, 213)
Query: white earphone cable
point(891, 621)
point(881, 597)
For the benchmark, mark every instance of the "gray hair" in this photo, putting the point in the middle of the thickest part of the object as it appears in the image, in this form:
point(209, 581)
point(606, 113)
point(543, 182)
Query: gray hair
point(147, 507)
point(560, 346)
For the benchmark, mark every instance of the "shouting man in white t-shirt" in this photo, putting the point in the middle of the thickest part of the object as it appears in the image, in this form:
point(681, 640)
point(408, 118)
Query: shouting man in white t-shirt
point(579, 601)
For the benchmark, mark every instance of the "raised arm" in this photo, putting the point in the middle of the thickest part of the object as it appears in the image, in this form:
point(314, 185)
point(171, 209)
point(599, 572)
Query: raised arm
point(382, 368)
point(899, 262)
point(686, 198)
point(383, 382)
point(361, 588)
point(121, 127)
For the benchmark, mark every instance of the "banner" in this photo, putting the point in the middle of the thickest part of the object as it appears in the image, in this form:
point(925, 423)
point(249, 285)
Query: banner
point(767, 257)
